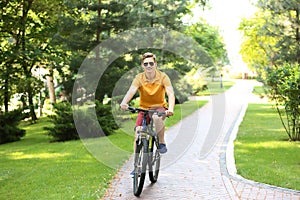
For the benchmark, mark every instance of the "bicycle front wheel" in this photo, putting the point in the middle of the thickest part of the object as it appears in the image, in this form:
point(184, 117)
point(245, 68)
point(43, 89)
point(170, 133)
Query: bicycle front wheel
point(154, 163)
point(140, 167)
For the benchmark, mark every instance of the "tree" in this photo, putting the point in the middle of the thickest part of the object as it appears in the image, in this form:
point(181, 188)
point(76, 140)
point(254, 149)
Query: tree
point(87, 23)
point(272, 38)
point(258, 47)
point(283, 23)
point(210, 39)
point(29, 25)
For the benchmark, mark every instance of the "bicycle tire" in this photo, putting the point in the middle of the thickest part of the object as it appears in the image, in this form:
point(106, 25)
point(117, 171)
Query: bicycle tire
point(154, 161)
point(140, 167)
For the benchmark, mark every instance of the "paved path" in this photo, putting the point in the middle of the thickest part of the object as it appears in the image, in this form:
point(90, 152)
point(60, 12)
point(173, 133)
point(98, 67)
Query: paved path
point(199, 163)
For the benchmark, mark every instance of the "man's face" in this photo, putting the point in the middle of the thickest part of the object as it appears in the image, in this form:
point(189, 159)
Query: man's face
point(149, 65)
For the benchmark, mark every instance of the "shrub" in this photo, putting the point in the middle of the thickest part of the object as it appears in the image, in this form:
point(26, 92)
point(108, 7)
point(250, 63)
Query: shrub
point(284, 87)
point(64, 127)
point(105, 118)
point(9, 130)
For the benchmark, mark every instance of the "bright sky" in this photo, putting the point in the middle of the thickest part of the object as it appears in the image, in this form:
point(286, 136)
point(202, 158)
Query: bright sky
point(227, 14)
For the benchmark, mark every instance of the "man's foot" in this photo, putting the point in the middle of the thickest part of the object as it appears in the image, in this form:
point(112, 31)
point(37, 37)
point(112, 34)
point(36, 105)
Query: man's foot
point(163, 148)
point(132, 174)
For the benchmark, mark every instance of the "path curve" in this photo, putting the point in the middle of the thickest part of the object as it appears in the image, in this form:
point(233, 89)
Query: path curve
point(203, 171)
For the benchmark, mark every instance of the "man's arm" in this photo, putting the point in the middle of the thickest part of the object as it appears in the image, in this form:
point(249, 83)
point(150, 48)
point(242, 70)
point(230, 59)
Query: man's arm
point(171, 100)
point(130, 93)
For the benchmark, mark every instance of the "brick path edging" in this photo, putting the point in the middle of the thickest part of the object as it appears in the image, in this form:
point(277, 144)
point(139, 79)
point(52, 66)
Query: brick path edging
point(227, 163)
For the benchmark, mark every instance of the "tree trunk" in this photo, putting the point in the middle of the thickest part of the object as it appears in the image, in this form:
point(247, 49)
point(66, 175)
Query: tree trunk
point(51, 89)
point(31, 105)
point(6, 90)
point(298, 34)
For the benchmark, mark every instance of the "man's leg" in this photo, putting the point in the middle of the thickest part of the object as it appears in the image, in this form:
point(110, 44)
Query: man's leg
point(138, 128)
point(159, 128)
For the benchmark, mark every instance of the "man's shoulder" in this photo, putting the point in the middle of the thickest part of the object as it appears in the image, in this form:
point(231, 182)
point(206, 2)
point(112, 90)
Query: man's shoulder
point(140, 75)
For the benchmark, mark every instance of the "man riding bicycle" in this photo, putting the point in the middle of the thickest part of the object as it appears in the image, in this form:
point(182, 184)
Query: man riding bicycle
point(152, 85)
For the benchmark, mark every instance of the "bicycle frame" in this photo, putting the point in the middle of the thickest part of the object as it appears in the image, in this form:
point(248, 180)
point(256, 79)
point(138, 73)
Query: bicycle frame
point(145, 155)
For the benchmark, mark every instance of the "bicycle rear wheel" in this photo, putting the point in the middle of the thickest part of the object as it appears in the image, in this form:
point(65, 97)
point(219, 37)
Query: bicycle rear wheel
point(140, 167)
point(154, 162)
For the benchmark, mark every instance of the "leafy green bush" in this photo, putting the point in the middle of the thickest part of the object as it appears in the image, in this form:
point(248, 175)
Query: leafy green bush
point(284, 87)
point(105, 118)
point(64, 127)
point(9, 131)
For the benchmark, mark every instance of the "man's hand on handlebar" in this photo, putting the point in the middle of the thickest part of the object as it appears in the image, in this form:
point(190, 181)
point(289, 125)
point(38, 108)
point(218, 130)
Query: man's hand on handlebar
point(124, 106)
point(169, 113)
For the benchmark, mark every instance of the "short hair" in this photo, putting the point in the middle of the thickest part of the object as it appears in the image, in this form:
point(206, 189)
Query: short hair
point(149, 55)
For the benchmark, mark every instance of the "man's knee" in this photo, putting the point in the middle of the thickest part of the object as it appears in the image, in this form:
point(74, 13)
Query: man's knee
point(137, 129)
point(157, 119)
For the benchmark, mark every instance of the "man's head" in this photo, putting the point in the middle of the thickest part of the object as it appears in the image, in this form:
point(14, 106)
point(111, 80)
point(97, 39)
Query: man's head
point(149, 60)
point(149, 55)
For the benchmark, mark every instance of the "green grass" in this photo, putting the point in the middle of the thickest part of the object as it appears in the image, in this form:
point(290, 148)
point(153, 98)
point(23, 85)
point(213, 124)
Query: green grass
point(263, 152)
point(214, 87)
point(259, 90)
point(35, 168)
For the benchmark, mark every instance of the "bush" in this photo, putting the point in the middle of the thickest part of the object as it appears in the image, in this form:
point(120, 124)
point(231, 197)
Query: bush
point(284, 88)
point(105, 118)
point(64, 127)
point(9, 131)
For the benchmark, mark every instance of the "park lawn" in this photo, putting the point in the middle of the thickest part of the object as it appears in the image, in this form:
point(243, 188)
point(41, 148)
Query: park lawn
point(262, 150)
point(35, 168)
point(214, 87)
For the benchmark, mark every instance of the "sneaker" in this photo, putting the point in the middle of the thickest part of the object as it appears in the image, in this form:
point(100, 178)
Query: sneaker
point(132, 174)
point(163, 148)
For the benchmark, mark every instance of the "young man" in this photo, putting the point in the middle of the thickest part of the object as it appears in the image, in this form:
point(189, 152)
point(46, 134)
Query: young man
point(152, 85)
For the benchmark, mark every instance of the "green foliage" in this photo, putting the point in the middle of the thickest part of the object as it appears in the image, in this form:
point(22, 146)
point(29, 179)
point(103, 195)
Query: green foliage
point(284, 87)
point(9, 130)
point(271, 37)
point(64, 127)
point(57, 35)
point(27, 30)
point(196, 80)
point(105, 118)
point(210, 39)
point(256, 48)
point(271, 47)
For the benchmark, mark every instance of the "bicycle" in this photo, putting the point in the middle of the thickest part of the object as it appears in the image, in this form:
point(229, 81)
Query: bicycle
point(146, 151)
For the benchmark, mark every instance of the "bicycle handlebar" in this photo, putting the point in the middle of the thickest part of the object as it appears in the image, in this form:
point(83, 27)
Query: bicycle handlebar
point(133, 110)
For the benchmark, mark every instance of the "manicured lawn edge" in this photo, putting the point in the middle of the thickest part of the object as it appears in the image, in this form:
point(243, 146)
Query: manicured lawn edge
point(262, 150)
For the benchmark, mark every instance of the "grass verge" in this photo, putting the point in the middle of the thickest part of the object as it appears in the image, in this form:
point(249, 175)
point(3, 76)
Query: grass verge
point(262, 150)
point(214, 87)
point(34, 168)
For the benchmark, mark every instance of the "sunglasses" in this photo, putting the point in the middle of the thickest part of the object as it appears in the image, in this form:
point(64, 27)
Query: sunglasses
point(149, 63)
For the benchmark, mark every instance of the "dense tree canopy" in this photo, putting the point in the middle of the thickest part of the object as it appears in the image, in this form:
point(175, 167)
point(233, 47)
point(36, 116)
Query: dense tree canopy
point(271, 38)
point(44, 43)
point(57, 35)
